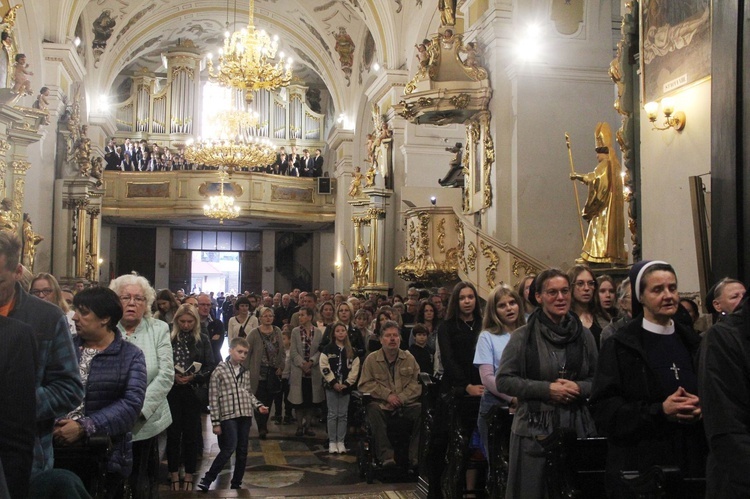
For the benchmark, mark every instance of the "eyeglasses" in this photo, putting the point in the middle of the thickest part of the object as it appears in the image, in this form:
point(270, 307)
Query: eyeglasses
point(552, 293)
point(137, 299)
point(41, 292)
point(581, 284)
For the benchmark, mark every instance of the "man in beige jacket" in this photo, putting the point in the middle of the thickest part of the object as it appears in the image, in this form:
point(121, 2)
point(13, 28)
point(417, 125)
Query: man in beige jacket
point(390, 376)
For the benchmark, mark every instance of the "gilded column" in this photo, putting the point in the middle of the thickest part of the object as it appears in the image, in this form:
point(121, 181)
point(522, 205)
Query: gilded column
point(20, 167)
point(94, 223)
point(4, 147)
point(377, 245)
point(80, 228)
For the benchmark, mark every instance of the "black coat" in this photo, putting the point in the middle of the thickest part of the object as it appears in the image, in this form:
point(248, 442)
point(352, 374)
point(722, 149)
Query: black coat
point(626, 402)
point(725, 397)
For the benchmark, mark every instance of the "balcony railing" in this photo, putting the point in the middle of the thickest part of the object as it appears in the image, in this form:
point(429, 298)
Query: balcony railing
point(182, 194)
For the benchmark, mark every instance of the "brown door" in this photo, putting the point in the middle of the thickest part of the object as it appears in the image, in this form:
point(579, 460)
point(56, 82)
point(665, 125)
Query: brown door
point(251, 268)
point(179, 270)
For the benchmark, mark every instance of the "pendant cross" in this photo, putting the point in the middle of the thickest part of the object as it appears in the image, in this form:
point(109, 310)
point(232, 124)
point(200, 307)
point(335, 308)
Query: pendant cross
point(675, 370)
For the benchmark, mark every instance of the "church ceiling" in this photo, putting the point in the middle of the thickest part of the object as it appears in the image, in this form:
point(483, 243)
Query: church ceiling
point(334, 43)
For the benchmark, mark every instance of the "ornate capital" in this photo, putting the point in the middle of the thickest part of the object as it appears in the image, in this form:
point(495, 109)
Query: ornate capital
point(4, 146)
point(20, 167)
point(375, 213)
point(93, 211)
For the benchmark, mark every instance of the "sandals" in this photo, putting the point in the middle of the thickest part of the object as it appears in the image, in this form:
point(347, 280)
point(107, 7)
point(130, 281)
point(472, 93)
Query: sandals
point(175, 485)
point(187, 485)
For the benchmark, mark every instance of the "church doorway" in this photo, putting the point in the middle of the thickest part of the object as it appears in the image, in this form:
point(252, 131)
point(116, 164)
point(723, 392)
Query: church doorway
point(217, 271)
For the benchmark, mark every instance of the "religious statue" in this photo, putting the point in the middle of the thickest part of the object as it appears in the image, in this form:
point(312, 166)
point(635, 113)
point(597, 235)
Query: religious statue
point(370, 177)
point(82, 151)
point(447, 10)
point(7, 222)
point(90, 268)
point(97, 167)
point(457, 151)
point(604, 205)
point(473, 53)
point(103, 26)
point(423, 55)
point(42, 100)
point(360, 266)
point(30, 241)
point(22, 83)
point(355, 188)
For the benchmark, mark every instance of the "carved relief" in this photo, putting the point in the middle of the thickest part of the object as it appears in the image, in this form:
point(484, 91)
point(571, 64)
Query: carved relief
point(528, 268)
point(441, 235)
point(491, 270)
point(471, 258)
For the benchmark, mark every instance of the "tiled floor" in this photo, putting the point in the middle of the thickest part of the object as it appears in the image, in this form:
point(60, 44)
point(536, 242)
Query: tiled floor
point(287, 466)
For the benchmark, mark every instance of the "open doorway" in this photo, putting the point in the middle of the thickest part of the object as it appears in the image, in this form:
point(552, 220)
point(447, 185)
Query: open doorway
point(217, 271)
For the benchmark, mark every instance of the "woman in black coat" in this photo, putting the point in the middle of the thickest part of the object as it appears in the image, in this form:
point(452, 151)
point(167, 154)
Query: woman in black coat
point(189, 394)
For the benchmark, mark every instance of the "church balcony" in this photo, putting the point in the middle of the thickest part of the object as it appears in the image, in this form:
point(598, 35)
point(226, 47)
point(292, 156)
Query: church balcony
point(180, 195)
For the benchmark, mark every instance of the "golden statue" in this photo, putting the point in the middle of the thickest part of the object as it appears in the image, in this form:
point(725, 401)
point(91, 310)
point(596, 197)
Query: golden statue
point(355, 188)
point(370, 177)
point(360, 266)
point(447, 12)
point(7, 223)
point(604, 242)
point(30, 241)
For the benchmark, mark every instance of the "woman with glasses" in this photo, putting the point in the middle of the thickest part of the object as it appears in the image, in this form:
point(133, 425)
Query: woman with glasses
point(45, 287)
point(548, 365)
point(152, 336)
point(584, 303)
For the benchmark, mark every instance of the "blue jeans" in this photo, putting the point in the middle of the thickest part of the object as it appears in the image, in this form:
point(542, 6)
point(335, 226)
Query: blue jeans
point(338, 410)
point(234, 434)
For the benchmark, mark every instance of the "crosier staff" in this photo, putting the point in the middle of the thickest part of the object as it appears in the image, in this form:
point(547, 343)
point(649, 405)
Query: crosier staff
point(575, 187)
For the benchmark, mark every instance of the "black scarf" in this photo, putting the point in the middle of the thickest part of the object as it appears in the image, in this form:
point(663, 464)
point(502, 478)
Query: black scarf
point(563, 335)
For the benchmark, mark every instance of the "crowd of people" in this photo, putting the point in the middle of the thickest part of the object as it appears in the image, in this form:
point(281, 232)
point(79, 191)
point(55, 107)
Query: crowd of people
point(140, 156)
point(564, 349)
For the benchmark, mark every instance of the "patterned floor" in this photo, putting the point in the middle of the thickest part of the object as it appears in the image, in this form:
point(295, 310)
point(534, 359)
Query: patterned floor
point(287, 466)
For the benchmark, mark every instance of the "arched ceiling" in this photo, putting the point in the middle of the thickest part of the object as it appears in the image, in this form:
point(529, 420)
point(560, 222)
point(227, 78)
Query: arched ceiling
point(137, 32)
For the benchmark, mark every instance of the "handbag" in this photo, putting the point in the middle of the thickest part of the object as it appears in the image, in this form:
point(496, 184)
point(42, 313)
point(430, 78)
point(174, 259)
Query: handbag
point(201, 393)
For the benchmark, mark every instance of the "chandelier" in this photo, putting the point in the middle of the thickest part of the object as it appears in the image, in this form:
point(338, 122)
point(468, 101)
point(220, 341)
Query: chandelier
point(221, 206)
point(244, 151)
point(247, 61)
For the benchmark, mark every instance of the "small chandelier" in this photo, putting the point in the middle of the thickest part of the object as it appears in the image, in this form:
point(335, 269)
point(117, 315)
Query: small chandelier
point(246, 62)
point(221, 207)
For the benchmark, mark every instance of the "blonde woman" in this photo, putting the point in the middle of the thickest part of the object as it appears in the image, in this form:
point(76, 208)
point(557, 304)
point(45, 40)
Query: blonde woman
point(45, 287)
point(186, 398)
point(502, 316)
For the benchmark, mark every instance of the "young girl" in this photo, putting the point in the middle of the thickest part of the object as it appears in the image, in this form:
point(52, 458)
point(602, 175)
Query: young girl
point(583, 303)
point(502, 316)
point(340, 367)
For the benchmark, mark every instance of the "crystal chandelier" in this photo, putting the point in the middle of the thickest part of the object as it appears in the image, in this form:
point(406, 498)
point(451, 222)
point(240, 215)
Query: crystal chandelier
point(247, 61)
point(221, 206)
point(244, 151)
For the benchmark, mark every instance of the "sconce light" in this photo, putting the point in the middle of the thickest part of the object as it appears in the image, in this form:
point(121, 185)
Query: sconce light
point(337, 264)
point(672, 119)
point(433, 200)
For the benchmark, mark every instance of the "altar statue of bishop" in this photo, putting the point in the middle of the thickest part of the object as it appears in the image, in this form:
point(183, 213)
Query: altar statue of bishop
point(604, 209)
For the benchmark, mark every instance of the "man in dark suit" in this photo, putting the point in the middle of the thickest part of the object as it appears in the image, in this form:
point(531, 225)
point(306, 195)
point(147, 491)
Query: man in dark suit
point(308, 164)
point(110, 156)
point(318, 161)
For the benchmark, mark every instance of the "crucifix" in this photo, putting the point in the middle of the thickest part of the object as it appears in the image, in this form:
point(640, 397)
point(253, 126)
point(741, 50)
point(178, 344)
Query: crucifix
point(675, 370)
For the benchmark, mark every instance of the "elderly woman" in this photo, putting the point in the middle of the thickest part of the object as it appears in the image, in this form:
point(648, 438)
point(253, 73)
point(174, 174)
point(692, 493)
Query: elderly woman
point(113, 372)
point(189, 346)
point(644, 397)
point(152, 336)
point(265, 361)
point(45, 286)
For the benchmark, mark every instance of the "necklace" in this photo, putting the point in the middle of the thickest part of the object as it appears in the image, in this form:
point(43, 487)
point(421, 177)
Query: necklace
point(561, 371)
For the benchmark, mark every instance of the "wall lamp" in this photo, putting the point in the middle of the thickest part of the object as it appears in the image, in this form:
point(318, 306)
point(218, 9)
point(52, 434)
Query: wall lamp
point(672, 119)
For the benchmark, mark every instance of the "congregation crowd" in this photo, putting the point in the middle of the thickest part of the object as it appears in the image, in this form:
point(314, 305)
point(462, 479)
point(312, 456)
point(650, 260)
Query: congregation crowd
point(564, 349)
point(140, 156)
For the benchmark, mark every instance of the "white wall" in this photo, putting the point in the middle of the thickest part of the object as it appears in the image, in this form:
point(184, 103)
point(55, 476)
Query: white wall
point(668, 158)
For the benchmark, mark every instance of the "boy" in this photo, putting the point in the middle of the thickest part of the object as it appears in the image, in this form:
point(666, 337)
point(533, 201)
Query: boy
point(232, 403)
point(419, 349)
